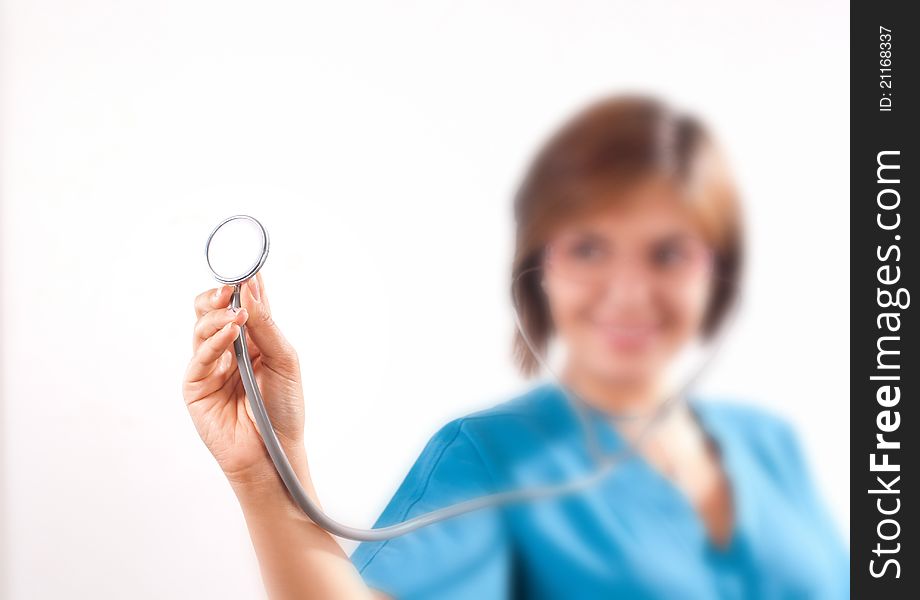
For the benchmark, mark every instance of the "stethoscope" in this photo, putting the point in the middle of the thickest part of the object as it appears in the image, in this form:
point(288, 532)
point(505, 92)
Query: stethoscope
point(237, 249)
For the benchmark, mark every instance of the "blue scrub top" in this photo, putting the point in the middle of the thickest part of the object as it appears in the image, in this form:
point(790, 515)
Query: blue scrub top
point(633, 535)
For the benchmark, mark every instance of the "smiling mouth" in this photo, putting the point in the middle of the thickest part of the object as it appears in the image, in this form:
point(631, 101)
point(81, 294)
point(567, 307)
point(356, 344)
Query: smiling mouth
point(627, 336)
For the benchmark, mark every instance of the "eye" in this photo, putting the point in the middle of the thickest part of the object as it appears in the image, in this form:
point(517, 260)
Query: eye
point(669, 254)
point(587, 250)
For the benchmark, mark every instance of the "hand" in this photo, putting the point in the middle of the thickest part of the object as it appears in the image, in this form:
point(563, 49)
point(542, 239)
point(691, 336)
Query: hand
point(214, 393)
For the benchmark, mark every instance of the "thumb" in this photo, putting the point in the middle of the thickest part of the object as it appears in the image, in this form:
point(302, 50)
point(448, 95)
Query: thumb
point(262, 328)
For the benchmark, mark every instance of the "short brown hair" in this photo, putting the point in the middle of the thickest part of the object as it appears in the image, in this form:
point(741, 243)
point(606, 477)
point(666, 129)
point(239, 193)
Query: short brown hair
point(609, 146)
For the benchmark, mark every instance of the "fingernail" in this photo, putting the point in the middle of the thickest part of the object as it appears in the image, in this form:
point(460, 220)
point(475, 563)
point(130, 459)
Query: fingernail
point(254, 289)
point(233, 309)
point(219, 293)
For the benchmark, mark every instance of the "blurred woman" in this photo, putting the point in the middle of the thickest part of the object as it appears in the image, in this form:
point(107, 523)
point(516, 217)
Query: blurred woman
point(629, 249)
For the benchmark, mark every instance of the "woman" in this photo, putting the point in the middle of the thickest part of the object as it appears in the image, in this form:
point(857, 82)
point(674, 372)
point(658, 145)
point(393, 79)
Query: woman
point(628, 251)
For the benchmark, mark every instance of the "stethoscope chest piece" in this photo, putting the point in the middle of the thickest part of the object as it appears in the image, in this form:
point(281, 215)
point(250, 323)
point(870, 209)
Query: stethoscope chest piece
point(236, 249)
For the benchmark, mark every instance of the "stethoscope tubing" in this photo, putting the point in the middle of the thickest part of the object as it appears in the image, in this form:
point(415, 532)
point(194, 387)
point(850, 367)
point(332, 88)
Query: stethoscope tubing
point(319, 517)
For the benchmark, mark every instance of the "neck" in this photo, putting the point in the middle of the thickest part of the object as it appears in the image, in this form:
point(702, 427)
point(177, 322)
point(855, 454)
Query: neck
point(615, 397)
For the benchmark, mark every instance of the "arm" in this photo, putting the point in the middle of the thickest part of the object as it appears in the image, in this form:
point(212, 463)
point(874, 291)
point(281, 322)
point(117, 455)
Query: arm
point(297, 558)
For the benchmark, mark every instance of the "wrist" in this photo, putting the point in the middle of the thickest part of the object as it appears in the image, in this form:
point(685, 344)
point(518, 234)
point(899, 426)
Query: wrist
point(260, 478)
point(267, 506)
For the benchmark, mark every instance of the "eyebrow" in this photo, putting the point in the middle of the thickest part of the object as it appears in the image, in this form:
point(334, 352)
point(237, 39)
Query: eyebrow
point(592, 235)
point(676, 237)
point(679, 236)
point(586, 233)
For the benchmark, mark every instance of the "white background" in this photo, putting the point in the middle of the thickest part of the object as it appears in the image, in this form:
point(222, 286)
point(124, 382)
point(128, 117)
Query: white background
point(380, 144)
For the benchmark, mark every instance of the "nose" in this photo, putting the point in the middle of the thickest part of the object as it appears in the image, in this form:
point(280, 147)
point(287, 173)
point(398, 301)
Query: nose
point(628, 285)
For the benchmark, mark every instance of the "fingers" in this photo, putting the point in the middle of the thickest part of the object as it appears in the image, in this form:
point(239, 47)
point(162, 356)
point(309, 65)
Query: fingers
point(269, 342)
point(260, 325)
point(209, 352)
point(212, 299)
point(212, 321)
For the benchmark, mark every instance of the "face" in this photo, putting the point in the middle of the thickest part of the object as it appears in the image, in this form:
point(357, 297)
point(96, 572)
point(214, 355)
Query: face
point(628, 287)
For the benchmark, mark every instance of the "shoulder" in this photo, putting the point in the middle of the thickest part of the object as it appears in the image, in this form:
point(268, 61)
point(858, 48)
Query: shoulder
point(462, 459)
point(753, 421)
point(763, 435)
point(538, 414)
point(542, 404)
point(487, 441)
